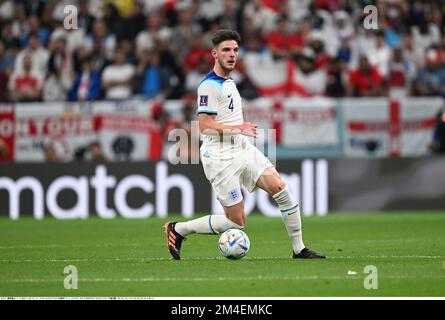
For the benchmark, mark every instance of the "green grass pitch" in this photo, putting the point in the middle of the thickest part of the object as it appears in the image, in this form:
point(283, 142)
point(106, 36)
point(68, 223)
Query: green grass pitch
point(129, 258)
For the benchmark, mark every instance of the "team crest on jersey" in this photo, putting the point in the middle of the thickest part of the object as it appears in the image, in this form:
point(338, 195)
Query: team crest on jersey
point(234, 194)
point(203, 101)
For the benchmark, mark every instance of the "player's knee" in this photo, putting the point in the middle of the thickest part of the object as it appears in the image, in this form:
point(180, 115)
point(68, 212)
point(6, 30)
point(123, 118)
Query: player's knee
point(277, 186)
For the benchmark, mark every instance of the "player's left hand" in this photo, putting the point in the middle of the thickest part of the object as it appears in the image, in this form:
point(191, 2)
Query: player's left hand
point(249, 129)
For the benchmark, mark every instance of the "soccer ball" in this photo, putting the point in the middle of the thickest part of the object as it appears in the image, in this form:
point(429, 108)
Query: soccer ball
point(234, 244)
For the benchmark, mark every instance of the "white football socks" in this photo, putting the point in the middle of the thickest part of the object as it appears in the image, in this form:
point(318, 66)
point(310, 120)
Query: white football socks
point(290, 213)
point(211, 224)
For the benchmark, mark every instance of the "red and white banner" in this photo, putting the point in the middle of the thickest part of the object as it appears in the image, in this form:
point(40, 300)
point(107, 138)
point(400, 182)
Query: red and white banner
point(129, 130)
point(381, 127)
point(40, 125)
point(299, 122)
point(7, 136)
point(125, 130)
point(282, 77)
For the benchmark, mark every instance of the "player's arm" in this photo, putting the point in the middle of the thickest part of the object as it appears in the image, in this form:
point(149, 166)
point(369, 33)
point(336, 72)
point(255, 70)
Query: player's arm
point(208, 125)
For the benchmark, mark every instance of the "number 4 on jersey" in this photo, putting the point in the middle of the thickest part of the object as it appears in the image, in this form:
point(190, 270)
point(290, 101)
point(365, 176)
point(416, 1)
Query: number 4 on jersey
point(231, 105)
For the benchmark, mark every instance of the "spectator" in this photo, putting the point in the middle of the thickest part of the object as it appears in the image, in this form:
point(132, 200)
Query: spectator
point(96, 153)
point(185, 31)
point(365, 80)
point(75, 38)
point(7, 35)
point(380, 54)
point(437, 144)
point(38, 54)
point(198, 52)
point(431, 79)
point(51, 154)
point(309, 80)
point(98, 59)
point(33, 26)
point(102, 35)
point(395, 29)
point(317, 44)
point(425, 34)
point(85, 19)
point(263, 18)
point(135, 22)
point(34, 7)
point(80, 154)
point(26, 85)
point(341, 34)
point(113, 19)
point(56, 87)
point(60, 61)
point(127, 46)
point(283, 42)
point(411, 54)
point(116, 78)
point(314, 16)
point(400, 74)
point(5, 152)
point(155, 30)
point(151, 79)
point(335, 82)
point(6, 66)
point(228, 18)
point(87, 84)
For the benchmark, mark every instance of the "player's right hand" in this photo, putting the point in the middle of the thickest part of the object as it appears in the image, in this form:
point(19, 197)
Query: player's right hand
point(249, 129)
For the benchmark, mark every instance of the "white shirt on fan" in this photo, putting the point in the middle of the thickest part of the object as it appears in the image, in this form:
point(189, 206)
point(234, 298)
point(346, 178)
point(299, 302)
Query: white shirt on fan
point(118, 73)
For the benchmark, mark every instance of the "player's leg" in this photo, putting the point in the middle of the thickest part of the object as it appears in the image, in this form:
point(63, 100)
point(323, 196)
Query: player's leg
point(176, 232)
point(271, 182)
point(229, 195)
point(228, 190)
point(236, 214)
point(214, 224)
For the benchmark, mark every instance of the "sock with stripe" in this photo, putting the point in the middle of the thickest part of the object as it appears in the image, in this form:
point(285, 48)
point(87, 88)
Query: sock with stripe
point(290, 212)
point(211, 224)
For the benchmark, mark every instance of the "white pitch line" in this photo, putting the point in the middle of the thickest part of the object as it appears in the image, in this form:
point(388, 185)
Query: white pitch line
point(70, 246)
point(207, 279)
point(126, 259)
point(106, 245)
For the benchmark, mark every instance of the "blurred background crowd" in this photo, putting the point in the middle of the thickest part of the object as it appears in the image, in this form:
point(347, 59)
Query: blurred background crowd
point(128, 49)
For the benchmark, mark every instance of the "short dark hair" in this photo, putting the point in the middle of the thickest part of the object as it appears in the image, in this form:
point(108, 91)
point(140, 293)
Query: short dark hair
point(225, 34)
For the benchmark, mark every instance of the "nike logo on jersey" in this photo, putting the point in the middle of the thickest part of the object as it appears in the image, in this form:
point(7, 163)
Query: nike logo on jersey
point(229, 95)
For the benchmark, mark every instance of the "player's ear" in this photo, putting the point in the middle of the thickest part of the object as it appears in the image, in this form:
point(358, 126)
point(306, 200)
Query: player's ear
point(214, 53)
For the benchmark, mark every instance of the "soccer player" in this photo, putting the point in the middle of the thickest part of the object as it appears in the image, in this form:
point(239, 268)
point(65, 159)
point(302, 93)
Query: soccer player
point(230, 160)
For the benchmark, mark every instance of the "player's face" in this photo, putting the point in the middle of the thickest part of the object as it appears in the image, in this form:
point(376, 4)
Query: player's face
point(226, 54)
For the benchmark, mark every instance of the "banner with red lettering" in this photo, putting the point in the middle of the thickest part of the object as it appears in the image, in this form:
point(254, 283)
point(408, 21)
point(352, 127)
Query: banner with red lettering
point(51, 131)
point(125, 131)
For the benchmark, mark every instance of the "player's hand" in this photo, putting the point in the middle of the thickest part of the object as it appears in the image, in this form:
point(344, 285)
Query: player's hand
point(249, 129)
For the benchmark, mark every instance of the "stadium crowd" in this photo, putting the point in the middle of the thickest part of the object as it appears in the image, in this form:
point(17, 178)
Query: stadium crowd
point(160, 48)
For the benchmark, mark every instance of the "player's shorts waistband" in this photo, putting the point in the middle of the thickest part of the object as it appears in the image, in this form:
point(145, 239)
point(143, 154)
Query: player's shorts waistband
point(227, 139)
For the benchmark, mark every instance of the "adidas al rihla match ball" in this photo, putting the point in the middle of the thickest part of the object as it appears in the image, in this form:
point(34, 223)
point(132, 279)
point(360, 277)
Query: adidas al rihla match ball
point(234, 244)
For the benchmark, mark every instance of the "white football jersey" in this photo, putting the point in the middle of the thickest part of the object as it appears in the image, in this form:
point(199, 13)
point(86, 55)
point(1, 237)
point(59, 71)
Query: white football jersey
point(220, 97)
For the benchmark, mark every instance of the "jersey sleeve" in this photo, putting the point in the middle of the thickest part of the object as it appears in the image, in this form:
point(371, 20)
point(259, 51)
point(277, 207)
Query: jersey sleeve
point(207, 99)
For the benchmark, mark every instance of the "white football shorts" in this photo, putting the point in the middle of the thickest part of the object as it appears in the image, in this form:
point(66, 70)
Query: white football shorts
point(227, 176)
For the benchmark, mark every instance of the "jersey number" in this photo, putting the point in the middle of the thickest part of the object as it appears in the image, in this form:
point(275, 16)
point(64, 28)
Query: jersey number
point(231, 105)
